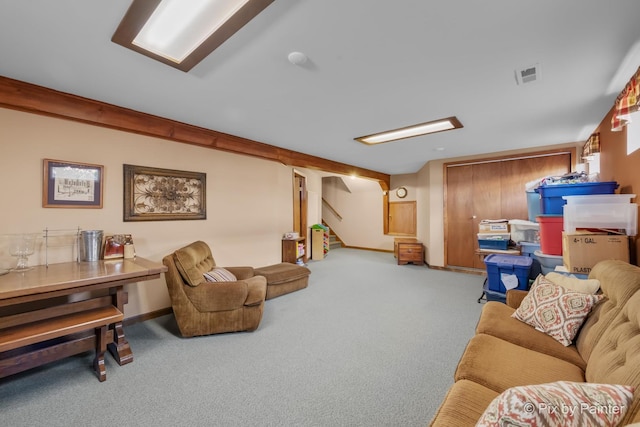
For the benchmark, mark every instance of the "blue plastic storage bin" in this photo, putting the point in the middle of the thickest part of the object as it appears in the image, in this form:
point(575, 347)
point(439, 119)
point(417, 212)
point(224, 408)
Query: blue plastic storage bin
point(498, 264)
point(493, 295)
point(533, 205)
point(493, 244)
point(551, 195)
point(528, 249)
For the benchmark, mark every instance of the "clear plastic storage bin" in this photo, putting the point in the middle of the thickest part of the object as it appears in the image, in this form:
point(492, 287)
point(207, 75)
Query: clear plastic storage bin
point(616, 216)
point(548, 263)
point(524, 231)
point(598, 199)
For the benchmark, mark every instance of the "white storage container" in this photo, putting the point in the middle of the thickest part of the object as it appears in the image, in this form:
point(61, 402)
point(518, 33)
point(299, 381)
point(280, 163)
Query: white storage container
point(596, 199)
point(622, 216)
point(524, 231)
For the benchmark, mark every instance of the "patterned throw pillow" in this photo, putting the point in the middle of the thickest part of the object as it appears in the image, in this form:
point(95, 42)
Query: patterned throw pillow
point(219, 274)
point(562, 404)
point(554, 310)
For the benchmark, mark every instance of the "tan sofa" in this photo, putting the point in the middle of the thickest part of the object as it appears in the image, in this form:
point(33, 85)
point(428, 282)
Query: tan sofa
point(506, 352)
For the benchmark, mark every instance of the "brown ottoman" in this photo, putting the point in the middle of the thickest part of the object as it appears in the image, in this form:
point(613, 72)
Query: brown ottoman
point(283, 278)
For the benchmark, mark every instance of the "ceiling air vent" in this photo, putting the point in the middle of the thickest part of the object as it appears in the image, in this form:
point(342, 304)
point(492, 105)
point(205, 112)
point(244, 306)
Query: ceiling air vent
point(528, 74)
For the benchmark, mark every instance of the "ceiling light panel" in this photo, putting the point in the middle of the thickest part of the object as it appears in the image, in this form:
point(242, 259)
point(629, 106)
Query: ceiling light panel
point(434, 126)
point(177, 27)
point(182, 33)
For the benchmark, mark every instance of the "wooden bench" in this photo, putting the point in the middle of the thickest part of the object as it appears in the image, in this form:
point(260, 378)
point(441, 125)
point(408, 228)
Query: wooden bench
point(66, 329)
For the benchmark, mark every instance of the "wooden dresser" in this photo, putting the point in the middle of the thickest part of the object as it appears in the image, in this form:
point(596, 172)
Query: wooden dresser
point(410, 251)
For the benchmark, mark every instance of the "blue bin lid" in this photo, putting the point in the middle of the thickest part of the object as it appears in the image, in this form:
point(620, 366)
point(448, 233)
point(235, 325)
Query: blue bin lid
point(613, 184)
point(530, 245)
point(508, 260)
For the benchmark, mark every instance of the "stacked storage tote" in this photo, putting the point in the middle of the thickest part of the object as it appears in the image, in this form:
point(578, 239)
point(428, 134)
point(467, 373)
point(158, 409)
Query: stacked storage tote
point(551, 219)
point(597, 227)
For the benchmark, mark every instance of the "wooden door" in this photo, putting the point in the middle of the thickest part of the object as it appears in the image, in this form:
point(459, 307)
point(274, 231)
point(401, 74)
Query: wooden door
point(514, 199)
point(300, 208)
point(458, 214)
point(489, 190)
point(402, 218)
point(473, 194)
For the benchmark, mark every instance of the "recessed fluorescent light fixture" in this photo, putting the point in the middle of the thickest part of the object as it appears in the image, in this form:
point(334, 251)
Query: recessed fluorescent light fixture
point(182, 33)
point(411, 131)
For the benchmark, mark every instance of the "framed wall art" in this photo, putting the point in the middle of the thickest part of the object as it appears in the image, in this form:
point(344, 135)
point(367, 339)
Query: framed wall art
point(72, 185)
point(153, 194)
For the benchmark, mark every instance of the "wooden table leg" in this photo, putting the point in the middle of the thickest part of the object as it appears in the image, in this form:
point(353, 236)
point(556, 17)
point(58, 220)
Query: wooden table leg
point(101, 347)
point(119, 347)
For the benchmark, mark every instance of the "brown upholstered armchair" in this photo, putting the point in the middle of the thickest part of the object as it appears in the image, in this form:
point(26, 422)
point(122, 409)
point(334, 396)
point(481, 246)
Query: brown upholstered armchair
point(202, 307)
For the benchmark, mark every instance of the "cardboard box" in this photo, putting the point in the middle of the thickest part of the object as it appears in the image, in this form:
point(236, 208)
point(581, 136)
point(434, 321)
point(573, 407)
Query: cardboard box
point(580, 252)
point(493, 226)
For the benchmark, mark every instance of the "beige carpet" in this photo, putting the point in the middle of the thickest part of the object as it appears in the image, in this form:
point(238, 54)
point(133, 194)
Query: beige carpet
point(368, 343)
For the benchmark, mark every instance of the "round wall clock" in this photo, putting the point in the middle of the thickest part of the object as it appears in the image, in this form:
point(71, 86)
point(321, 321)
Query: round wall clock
point(401, 192)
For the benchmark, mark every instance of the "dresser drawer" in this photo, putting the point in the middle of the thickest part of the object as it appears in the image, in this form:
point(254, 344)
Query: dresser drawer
point(410, 252)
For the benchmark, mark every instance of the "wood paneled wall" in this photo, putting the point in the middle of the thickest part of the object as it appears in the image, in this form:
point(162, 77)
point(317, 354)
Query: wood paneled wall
point(617, 165)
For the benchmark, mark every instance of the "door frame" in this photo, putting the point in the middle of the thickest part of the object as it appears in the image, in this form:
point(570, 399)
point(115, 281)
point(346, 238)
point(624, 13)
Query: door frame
point(300, 207)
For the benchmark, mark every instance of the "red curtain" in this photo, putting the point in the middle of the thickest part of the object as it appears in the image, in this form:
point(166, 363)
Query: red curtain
point(626, 103)
point(592, 146)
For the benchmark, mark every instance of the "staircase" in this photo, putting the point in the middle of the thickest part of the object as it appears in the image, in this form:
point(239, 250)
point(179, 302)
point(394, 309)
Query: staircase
point(334, 242)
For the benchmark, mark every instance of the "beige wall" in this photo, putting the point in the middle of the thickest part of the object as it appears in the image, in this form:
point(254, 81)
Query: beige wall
point(430, 212)
point(408, 181)
point(249, 201)
point(359, 203)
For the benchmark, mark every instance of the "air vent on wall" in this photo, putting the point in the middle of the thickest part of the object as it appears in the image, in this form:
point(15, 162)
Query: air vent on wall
point(528, 74)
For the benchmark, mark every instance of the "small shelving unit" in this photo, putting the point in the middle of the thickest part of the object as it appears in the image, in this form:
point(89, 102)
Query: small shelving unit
point(319, 243)
point(294, 250)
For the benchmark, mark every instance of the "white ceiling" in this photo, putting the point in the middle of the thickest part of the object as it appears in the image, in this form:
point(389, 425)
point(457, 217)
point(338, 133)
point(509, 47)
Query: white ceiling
point(373, 65)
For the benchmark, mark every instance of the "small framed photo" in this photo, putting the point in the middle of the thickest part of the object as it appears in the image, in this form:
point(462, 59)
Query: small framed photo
point(154, 194)
point(72, 185)
point(114, 245)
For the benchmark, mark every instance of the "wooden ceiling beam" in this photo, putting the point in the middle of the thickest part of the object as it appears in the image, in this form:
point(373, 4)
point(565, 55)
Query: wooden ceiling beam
point(22, 96)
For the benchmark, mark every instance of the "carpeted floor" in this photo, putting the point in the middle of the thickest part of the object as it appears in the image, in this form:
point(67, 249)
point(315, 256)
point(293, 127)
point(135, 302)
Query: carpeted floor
point(368, 343)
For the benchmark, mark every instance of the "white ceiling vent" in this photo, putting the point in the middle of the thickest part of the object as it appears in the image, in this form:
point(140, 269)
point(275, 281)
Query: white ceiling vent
point(529, 74)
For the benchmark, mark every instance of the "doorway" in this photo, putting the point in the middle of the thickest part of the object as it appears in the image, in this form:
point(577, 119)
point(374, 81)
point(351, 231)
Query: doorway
point(300, 205)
